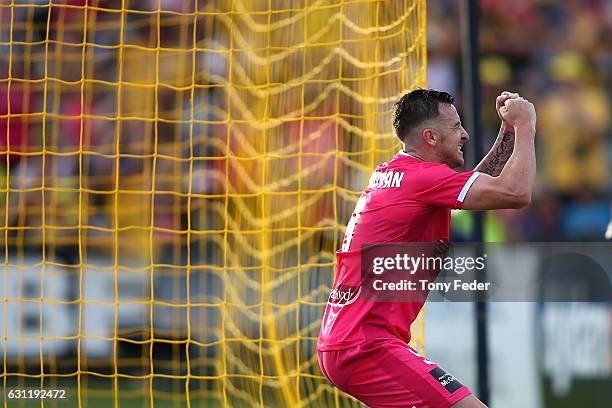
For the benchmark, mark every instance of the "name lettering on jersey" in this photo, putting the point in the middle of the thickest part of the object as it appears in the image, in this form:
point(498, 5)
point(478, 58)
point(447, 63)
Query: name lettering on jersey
point(387, 179)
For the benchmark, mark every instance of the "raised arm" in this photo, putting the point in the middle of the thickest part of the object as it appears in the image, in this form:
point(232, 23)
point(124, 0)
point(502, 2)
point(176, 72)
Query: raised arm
point(514, 185)
point(493, 163)
point(495, 160)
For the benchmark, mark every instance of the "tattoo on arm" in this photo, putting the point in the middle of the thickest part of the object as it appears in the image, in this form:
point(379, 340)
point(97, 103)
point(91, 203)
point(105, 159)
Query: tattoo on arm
point(495, 160)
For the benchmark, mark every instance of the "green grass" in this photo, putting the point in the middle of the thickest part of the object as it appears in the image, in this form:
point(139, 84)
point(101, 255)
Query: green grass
point(100, 393)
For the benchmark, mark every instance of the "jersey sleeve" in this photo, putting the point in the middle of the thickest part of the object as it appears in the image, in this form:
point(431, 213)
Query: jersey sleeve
point(442, 186)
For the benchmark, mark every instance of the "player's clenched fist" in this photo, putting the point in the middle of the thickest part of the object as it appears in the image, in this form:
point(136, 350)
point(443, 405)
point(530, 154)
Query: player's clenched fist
point(518, 112)
point(501, 100)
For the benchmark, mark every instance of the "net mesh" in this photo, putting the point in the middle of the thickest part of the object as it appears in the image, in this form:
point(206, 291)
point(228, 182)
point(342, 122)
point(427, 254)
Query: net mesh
point(176, 179)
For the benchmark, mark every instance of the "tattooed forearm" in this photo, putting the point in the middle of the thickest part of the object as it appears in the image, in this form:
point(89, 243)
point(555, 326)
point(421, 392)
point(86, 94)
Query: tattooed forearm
point(494, 161)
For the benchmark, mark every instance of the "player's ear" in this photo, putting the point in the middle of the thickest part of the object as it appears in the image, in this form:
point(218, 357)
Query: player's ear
point(430, 137)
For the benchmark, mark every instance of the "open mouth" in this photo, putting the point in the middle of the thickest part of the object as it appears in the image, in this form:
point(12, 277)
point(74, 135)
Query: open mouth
point(460, 148)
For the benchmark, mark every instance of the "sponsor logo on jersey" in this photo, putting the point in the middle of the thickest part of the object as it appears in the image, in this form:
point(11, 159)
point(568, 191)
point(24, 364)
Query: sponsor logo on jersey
point(387, 179)
point(445, 379)
point(344, 295)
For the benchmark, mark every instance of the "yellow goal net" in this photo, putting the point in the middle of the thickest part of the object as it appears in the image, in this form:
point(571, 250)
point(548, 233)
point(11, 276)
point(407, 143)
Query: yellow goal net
point(175, 179)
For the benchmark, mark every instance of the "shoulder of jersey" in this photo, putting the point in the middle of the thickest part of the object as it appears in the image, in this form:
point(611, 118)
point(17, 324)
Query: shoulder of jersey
point(415, 164)
point(382, 166)
point(428, 165)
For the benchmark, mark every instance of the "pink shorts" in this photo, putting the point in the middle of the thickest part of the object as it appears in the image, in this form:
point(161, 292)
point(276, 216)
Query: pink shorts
point(388, 373)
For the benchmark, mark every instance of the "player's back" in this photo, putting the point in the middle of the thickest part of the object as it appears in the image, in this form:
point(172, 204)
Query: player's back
point(406, 200)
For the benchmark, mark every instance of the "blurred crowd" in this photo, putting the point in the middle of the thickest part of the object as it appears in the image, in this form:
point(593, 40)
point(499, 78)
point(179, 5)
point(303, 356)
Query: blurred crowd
point(555, 53)
point(173, 169)
point(558, 54)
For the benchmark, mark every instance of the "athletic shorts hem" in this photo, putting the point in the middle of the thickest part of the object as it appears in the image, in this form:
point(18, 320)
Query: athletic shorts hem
point(461, 394)
point(391, 374)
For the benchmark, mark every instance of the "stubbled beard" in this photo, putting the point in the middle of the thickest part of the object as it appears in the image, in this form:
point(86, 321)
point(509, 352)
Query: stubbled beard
point(454, 160)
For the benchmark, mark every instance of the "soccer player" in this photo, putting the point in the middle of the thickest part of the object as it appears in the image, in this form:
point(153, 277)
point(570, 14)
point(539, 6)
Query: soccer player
point(363, 345)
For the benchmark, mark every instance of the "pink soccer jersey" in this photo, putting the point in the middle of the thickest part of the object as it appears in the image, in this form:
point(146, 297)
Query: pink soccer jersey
point(406, 200)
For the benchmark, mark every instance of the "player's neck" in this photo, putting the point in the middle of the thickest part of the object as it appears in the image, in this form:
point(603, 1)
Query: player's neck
point(416, 154)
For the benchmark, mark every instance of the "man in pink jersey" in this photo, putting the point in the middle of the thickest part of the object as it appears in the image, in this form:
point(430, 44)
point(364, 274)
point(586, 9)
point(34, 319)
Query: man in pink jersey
point(363, 343)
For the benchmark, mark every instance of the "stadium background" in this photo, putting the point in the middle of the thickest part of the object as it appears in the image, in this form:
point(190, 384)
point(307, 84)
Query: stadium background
point(247, 163)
